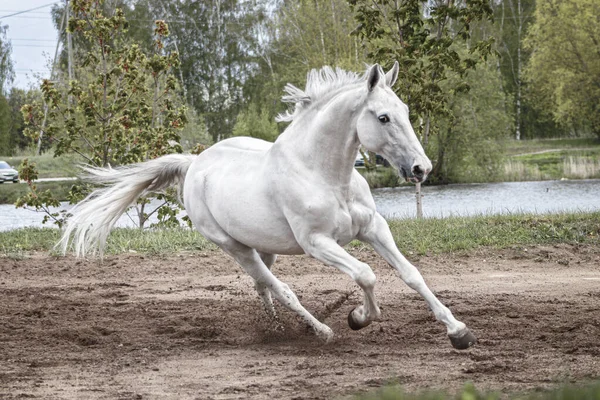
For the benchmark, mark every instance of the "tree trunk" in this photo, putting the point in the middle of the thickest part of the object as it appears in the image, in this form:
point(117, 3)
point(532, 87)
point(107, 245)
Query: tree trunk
point(519, 32)
point(419, 200)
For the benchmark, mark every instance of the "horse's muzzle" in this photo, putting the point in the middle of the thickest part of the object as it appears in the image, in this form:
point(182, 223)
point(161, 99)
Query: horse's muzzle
point(416, 174)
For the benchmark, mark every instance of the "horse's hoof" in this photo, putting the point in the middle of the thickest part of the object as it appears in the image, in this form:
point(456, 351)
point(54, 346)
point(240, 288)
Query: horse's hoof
point(355, 326)
point(325, 334)
point(463, 340)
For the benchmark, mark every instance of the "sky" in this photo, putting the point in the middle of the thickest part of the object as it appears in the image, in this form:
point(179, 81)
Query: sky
point(32, 36)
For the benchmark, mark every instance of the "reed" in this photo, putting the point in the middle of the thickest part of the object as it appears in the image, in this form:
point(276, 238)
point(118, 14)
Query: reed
point(581, 168)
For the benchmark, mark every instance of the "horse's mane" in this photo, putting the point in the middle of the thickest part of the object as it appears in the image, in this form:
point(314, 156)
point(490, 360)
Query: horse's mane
point(319, 84)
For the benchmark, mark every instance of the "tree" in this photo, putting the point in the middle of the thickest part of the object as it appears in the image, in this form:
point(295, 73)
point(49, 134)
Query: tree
point(6, 145)
point(471, 141)
point(123, 108)
point(6, 77)
point(216, 42)
point(7, 72)
point(299, 36)
point(257, 124)
point(514, 17)
point(426, 38)
point(564, 68)
point(11, 122)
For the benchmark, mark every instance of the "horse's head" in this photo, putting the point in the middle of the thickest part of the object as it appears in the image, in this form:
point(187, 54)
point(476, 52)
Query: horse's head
point(383, 126)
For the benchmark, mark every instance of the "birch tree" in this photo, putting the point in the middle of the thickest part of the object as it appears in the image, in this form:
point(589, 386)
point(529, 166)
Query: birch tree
point(565, 63)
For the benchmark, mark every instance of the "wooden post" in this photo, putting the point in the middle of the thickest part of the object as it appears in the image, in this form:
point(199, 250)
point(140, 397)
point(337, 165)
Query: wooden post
point(419, 200)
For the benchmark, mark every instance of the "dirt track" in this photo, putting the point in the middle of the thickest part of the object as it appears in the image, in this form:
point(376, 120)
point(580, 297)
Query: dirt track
point(192, 326)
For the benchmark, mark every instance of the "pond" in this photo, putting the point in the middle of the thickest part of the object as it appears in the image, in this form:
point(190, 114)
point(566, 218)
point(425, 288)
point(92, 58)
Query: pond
point(438, 201)
point(491, 198)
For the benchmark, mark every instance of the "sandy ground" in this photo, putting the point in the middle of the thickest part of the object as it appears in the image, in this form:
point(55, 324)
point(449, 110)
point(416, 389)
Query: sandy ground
point(192, 327)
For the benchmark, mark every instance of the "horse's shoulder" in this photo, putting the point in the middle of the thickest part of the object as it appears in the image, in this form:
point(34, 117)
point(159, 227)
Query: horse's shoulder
point(361, 193)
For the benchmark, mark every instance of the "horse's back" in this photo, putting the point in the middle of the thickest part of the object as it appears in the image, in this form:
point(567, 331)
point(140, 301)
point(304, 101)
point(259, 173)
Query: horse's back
point(242, 143)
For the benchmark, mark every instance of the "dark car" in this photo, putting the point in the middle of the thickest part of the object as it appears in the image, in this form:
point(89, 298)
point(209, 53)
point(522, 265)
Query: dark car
point(359, 162)
point(8, 173)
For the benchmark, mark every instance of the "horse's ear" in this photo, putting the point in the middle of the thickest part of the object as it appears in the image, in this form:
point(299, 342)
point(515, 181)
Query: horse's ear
point(392, 75)
point(375, 75)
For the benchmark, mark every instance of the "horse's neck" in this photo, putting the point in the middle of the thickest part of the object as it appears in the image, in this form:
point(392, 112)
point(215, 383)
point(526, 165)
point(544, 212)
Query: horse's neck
point(324, 141)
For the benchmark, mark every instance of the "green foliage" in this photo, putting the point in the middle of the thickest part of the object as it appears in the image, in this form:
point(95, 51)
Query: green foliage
point(435, 53)
point(218, 42)
point(194, 132)
point(12, 125)
point(469, 392)
point(36, 199)
point(380, 177)
point(150, 241)
point(256, 124)
point(123, 108)
point(5, 123)
point(469, 145)
point(301, 35)
point(564, 69)
point(6, 64)
point(513, 19)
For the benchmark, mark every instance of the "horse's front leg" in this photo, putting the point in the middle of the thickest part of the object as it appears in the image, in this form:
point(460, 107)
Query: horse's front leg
point(378, 234)
point(327, 250)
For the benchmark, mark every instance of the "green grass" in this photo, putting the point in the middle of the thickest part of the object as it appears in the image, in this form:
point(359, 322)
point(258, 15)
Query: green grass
point(441, 235)
point(9, 192)
point(18, 242)
point(551, 159)
point(564, 392)
point(515, 147)
point(426, 236)
point(48, 165)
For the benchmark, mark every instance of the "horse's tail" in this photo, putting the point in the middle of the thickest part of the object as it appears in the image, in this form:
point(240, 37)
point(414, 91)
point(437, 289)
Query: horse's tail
point(93, 218)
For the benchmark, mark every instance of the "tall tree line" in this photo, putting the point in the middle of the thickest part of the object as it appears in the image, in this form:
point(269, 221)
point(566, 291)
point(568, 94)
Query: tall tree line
point(236, 56)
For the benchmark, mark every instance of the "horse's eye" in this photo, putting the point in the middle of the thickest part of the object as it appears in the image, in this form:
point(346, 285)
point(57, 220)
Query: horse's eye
point(384, 119)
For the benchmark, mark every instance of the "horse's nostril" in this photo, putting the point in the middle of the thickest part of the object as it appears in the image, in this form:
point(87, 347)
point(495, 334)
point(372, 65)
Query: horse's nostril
point(417, 171)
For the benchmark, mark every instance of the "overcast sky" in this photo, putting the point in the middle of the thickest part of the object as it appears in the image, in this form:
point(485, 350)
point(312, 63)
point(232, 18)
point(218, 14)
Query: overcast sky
point(33, 38)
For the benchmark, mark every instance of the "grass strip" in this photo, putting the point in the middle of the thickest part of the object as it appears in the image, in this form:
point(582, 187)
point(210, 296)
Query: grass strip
point(19, 242)
point(442, 235)
point(425, 236)
point(10, 192)
point(49, 166)
point(469, 392)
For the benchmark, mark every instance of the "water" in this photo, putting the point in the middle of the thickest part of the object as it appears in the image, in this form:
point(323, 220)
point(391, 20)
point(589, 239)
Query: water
point(491, 198)
point(438, 201)
point(12, 218)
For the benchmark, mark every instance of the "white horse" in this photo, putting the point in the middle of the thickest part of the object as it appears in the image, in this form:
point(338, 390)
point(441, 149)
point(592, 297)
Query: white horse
point(299, 195)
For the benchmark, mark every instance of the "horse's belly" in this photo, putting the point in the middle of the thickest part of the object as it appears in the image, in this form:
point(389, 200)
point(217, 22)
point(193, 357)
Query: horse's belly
point(245, 211)
point(258, 229)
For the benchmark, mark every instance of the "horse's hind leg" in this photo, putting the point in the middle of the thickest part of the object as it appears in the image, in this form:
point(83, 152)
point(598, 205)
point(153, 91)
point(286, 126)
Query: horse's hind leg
point(265, 293)
point(379, 236)
point(252, 263)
